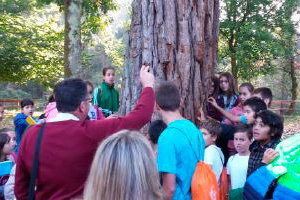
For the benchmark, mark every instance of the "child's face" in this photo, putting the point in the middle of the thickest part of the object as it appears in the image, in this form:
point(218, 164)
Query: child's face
point(1, 113)
point(109, 77)
point(241, 142)
point(28, 110)
point(90, 93)
point(224, 84)
point(208, 138)
point(249, 114)
point(244, 94)
point(10, 146)
point(261, 131)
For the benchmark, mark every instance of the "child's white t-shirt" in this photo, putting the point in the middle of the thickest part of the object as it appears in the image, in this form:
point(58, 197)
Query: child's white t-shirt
point(237, 169)
point(215, 158)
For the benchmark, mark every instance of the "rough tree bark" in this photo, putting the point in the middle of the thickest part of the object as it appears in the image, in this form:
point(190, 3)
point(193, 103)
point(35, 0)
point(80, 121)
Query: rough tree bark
point(72, 43)
point(178, 39)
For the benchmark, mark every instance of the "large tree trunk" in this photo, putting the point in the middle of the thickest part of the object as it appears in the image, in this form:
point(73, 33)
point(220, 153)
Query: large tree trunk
point(178, 39)
point(72, 46)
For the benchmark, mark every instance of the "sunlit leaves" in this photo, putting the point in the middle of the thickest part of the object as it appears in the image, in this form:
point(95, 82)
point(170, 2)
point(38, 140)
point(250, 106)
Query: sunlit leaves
point(255, 33)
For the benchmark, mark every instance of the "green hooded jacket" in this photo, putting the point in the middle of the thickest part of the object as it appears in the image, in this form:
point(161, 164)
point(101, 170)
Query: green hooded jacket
point(106, 97)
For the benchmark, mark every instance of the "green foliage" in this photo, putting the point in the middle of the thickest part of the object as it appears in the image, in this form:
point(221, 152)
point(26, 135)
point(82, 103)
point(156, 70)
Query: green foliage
point(30, 49)
point(15, 6)
point(255, 33)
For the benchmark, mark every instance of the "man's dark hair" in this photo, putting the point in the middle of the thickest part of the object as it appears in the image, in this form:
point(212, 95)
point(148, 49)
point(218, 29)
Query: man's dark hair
point(26, 102)
point(256, 104)
point(212, 126)
point(104, 70)
point(244, 129)
point(249, 86)
point(265, 93)
point(167, 96)
point(274, 121)
point(155, 129)
point(69, 94)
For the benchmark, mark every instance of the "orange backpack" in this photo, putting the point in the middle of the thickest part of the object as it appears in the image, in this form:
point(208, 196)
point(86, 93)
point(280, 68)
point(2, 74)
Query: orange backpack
point(204, 183)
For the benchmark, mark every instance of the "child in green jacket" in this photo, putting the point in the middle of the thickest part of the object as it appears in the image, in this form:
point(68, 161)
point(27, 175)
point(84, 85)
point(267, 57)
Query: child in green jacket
point(105, 95)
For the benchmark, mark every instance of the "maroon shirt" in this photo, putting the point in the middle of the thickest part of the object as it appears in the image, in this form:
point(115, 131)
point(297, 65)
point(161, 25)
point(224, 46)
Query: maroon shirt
point(67, 151)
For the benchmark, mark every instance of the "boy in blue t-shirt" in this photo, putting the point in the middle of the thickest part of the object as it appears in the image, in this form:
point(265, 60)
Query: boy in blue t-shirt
point(180, 146)
point(27, 109)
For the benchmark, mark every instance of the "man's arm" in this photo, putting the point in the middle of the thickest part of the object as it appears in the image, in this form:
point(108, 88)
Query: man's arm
point(168, 186)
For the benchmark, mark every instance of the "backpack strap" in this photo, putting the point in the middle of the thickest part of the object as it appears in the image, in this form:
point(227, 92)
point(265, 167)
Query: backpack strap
point(222, 160)
point(34, 171)
point(201, 156)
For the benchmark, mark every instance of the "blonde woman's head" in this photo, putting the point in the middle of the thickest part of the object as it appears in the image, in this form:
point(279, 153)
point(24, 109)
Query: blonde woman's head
point(123, 168)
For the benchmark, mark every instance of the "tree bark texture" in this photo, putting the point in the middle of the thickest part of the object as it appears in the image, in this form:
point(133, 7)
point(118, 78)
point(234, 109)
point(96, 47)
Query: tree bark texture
point(178, 39)
point(72, 43)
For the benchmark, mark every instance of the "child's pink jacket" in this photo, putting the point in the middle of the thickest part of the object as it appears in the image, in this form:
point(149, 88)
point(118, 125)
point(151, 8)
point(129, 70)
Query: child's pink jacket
point(236, 111)
point(51, 111)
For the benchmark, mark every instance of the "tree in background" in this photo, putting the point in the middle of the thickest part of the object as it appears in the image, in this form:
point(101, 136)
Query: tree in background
point(252, 34)
point(76, 14)
point(178, 39)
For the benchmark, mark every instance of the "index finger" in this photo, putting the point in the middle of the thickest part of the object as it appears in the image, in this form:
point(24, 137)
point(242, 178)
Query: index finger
point(145, 68)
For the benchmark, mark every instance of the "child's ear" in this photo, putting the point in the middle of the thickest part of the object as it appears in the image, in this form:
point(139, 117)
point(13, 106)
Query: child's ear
point(214, 138)
point(81, 107)
point(267, 101)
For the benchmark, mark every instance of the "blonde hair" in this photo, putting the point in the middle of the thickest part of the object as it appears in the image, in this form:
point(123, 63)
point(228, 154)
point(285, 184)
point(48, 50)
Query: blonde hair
point(123, 168)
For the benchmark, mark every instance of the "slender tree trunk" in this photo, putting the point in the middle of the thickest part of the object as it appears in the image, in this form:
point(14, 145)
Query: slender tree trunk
point(294, 88)
point(178, 39)
point(72, 46)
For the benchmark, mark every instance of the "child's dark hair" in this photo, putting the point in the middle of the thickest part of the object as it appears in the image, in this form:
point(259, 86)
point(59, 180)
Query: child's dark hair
point(265, 93)
point(26, 102)
point(155, 129)
point(104, 70)
point(51, 99)
point(256, 104)
point(244, 129)
point(249, 86)
point(216, 82)
point(274, 121)
point(4, 139)
point(212, 126)
point(167, 96)
point(231, 82)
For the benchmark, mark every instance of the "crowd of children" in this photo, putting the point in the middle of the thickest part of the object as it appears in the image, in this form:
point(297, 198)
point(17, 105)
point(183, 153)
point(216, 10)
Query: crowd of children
point(238, 137)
